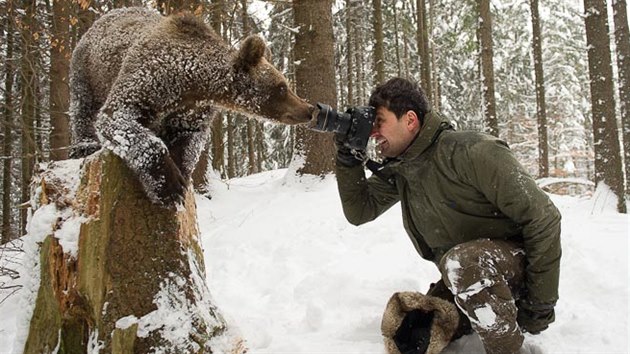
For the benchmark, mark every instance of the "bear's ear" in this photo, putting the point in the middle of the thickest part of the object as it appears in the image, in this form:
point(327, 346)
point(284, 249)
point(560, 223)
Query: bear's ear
point(252, 50)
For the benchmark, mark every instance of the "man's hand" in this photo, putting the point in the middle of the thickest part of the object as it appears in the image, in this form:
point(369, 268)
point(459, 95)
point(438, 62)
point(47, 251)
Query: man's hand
point(535, 318)
point(344, 154)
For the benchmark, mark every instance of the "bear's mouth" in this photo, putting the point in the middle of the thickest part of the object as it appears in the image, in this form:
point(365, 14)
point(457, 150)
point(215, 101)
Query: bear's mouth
point(309, 118)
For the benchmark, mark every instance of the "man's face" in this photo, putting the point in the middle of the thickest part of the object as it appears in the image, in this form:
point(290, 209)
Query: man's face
point(394, 134)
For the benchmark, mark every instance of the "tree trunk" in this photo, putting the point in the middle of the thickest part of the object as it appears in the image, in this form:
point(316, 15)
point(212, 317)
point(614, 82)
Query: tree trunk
point(217, 145)
point(422, 35)
point(379, 57)
point(605, 135)
point(167, 7)
point(396, 40)
point(199, 175)
point(217, 13)
point(622, 41)
point(28, 92)
point(541, 107)
point(231, 163)
point(132, 269)
point(85, 19)
point(251, 146)
point(487, 67)
point(7, 119)
point(435, 72)
point(218, 148)
point(261, 154)
point(359, 54)
point(60, 53)
point(315, 80)
point(251, 124)
point(349, 52)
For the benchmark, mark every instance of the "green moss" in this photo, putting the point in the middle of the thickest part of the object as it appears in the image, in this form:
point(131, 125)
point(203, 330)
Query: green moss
point(46, 321)
point(74, 336)
point(124, 339)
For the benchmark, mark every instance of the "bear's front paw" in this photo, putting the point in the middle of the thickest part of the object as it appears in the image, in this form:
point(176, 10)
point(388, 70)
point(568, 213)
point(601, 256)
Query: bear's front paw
point(84, 149)
point(171, 191)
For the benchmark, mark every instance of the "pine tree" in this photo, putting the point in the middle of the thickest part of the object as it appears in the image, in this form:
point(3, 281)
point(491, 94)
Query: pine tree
point(607, 150)
point(541, 108)
point(315, 79)
point(60, 53)
point(487, 67)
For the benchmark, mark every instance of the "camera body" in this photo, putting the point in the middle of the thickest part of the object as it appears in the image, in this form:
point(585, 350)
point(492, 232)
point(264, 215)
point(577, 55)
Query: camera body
point(356, 124)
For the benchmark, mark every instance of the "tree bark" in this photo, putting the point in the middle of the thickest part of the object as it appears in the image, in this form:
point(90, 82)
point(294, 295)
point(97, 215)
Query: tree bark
point(435, 71)
point(167, 7)
point(622, 41)
point(261, 153)
point(85, 19)
point(252, 166)
point(315, 80)
point(251, 146)
point(422, 35)
point(60, 53)
point(541, 107)
point(396, 40)
point(199, 175)
point(379, 57)
point(218, 148)
point(28, 86)
point(7, 119)
point(605, 134)
point(137, 265)
point(231, 161)
point(349, 52)
point(487, 67)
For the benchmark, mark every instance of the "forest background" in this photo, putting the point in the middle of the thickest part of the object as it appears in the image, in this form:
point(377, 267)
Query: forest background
point(552, 79)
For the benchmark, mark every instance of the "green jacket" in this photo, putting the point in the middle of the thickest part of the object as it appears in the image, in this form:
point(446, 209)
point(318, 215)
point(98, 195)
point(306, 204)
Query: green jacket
point(460, 186)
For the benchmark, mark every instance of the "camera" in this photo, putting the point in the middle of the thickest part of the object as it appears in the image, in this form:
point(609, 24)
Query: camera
point(356, 124)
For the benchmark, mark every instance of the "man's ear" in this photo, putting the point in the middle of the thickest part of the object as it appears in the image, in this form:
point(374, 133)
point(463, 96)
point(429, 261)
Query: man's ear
point(412, 120)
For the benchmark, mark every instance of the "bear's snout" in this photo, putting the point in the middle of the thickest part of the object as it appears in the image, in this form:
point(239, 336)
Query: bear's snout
point(308, 114)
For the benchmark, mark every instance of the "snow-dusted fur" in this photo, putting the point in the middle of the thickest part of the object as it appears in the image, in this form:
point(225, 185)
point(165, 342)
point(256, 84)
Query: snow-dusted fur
point(443, 327)
point(147, 86)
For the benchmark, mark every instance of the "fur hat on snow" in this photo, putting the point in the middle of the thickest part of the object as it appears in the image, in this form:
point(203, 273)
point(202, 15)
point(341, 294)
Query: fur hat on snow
point(417, 323)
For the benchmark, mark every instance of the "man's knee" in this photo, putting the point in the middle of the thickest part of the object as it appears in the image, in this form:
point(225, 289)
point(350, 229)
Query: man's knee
point(482, 263)
point(467, 265)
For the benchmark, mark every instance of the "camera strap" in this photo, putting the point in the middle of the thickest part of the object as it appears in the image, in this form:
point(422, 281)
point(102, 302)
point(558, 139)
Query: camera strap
point(377, 169)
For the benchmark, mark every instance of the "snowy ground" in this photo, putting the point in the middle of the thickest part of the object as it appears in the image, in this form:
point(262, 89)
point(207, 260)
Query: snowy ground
point(293, 276)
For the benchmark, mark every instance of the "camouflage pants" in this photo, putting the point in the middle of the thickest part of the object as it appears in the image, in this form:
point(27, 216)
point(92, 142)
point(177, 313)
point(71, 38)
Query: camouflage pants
point(486, 276)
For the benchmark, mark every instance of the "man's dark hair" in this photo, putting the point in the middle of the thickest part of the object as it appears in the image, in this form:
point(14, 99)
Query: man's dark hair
point(399, 96)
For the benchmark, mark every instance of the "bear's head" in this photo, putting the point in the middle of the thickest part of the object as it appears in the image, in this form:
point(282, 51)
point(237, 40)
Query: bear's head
point(260, 89)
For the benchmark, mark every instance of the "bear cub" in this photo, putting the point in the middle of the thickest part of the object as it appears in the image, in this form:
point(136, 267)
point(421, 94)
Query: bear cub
point(147, 86)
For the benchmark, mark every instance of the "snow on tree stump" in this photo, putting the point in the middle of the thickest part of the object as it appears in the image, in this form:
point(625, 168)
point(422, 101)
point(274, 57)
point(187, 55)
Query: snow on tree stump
point(118, 273)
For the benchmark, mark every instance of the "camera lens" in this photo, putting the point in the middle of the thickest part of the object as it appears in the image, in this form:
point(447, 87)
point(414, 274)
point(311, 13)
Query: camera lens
point(329, 120)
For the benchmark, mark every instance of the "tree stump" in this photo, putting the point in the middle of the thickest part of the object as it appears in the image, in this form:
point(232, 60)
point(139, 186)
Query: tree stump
point(133, 281)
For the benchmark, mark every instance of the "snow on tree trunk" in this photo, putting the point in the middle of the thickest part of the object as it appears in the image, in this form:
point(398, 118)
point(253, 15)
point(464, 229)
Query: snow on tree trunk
point(118, 273)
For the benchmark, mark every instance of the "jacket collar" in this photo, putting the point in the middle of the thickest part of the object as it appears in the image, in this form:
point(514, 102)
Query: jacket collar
point(433, 126)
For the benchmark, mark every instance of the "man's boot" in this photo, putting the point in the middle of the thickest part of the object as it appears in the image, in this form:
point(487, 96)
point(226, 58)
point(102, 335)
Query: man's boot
point(440, 290)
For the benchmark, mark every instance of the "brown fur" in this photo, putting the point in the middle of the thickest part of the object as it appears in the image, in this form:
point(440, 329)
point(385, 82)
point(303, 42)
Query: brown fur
point(444, 323)
point(147, 88)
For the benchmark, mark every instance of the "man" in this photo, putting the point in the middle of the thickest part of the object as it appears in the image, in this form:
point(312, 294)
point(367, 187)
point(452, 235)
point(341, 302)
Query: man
point(469, 207)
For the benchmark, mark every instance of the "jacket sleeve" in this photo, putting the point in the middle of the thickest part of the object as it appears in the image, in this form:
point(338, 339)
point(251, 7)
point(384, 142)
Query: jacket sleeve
point(363, 199)
point(503, 180)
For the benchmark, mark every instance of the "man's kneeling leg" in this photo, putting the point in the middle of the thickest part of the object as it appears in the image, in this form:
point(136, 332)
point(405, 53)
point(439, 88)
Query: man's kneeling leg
point(483, 275)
